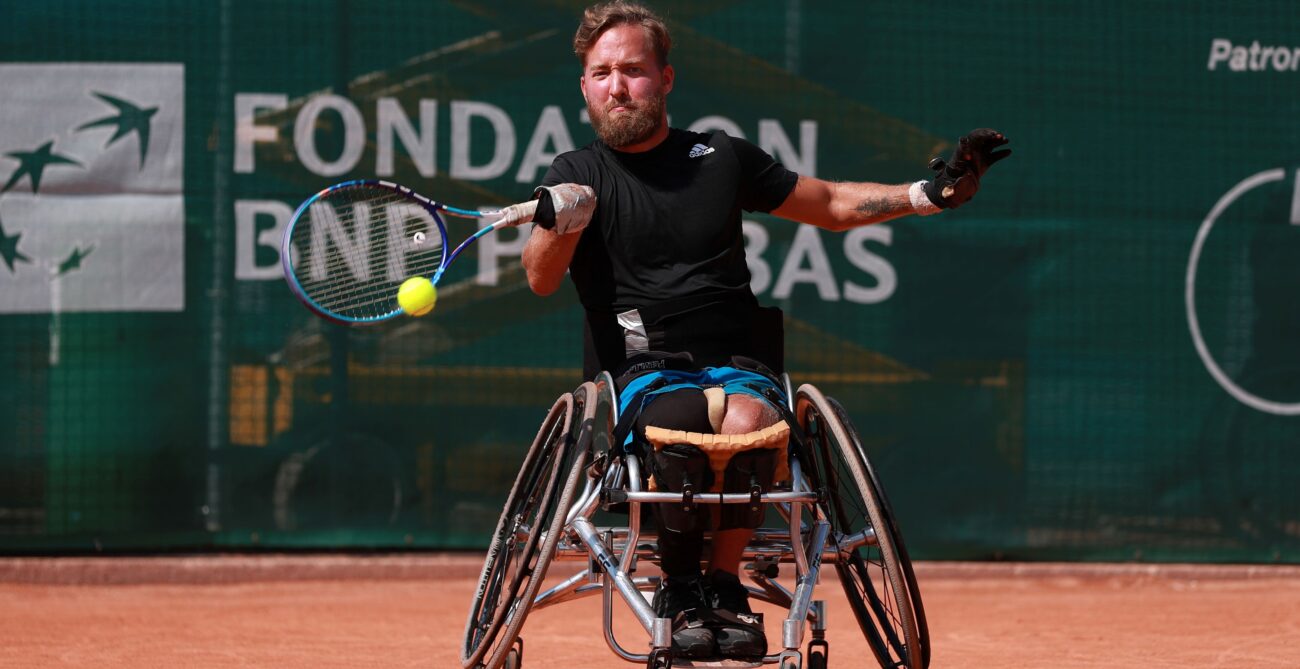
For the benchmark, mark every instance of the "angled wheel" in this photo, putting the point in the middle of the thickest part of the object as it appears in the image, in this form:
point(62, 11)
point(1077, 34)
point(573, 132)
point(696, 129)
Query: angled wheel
point(873, 564)
point(889, 521)
point(524, 541)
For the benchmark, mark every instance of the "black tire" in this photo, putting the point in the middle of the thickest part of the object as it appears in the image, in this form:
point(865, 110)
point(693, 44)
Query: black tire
point(878, 579)
point(524, 541)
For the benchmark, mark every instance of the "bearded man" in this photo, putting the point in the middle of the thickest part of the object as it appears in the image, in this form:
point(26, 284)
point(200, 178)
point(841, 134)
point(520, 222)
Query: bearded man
point(659, 266)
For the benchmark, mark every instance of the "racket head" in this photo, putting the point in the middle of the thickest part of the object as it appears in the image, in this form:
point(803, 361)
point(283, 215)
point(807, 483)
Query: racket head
point(348, 248)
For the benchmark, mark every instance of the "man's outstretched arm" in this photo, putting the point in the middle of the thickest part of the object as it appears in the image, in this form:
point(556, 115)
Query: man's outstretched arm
point(840, 206)
point(563, 212)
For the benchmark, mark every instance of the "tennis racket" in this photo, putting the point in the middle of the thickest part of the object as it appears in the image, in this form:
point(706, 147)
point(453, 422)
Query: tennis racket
point(348, 248)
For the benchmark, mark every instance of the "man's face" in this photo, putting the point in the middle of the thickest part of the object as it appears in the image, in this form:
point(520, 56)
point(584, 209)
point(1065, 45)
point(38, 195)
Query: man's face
point(625, 87)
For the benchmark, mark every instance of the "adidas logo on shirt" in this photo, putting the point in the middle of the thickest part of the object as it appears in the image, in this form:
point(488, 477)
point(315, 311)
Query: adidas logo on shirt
point(700, 150)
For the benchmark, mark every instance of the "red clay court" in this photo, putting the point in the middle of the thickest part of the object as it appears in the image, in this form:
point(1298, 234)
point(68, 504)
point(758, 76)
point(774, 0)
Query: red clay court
point(300, 611)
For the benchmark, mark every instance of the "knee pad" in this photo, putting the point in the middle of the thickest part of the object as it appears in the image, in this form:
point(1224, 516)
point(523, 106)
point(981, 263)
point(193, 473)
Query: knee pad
point(747, 470)
point(673, 468)
point(736, 463)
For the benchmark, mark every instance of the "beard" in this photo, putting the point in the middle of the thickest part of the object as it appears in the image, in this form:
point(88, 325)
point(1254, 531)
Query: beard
point(633, 126)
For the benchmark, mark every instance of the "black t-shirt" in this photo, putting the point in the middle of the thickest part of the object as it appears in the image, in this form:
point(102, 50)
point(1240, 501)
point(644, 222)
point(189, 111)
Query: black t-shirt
point(667, 224)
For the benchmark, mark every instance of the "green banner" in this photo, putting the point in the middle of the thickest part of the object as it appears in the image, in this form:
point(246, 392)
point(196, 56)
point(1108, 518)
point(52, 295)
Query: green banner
point(1094, 359)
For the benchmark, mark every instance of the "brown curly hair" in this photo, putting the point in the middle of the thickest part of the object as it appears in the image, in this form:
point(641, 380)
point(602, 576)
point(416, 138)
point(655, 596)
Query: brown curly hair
point(600, 17)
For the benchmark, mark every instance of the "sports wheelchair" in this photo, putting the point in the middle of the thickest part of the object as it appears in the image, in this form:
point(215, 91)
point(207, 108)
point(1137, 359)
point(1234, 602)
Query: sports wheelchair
point(833, 507)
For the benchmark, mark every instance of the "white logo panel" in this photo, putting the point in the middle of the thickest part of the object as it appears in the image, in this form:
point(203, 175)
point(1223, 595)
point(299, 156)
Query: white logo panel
point(92, 206)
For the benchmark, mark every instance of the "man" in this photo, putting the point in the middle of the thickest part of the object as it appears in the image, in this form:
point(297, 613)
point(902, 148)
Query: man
point(663, 279)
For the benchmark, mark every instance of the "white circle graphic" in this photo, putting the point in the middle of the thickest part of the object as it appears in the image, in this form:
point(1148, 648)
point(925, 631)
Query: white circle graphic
point(1241, 394)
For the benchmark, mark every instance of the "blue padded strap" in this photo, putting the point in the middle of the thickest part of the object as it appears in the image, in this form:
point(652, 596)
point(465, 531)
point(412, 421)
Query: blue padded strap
point(652, 383)
point(738, 381)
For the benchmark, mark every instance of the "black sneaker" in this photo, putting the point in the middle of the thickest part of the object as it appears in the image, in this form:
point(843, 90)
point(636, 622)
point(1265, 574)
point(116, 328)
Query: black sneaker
point(686, 603)
point(737, 630)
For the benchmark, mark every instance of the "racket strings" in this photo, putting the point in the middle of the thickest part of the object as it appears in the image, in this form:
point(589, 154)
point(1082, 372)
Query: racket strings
point(357, 244)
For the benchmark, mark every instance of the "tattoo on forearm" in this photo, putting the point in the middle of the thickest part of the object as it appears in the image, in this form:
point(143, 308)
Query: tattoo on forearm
point(874, 206)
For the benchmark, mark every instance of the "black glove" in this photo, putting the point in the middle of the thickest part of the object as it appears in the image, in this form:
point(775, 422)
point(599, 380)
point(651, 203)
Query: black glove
point(957, 180)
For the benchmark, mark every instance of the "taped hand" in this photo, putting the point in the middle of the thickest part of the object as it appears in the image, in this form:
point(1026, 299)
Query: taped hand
point(564, 208)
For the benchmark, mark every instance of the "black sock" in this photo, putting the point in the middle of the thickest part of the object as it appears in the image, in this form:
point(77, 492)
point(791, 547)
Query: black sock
point(680, 553)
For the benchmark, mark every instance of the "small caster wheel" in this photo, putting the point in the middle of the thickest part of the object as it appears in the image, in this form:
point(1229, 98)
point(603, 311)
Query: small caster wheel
point(515, 658)
point(660, 658)
point(818, 652)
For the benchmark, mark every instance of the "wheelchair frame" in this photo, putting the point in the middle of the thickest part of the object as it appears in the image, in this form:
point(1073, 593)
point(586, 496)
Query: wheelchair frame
point(547, 518)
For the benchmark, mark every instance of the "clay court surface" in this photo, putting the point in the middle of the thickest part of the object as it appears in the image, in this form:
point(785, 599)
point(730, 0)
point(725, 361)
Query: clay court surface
point(301, 611)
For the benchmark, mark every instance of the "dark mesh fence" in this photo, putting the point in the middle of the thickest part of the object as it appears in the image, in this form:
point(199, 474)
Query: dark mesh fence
point(1095, 359)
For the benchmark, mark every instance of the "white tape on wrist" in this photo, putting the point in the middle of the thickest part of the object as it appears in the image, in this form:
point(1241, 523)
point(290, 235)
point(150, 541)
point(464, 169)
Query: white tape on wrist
point(921, 203)
point(515, 215)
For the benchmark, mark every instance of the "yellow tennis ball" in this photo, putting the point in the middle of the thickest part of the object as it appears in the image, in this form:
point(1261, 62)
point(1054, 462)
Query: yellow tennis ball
point(417, 296)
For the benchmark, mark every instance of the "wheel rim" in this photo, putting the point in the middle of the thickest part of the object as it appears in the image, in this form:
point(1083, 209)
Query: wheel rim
point(511, 563)
point(574, 462)
point(878, 589)
point(896, 537)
